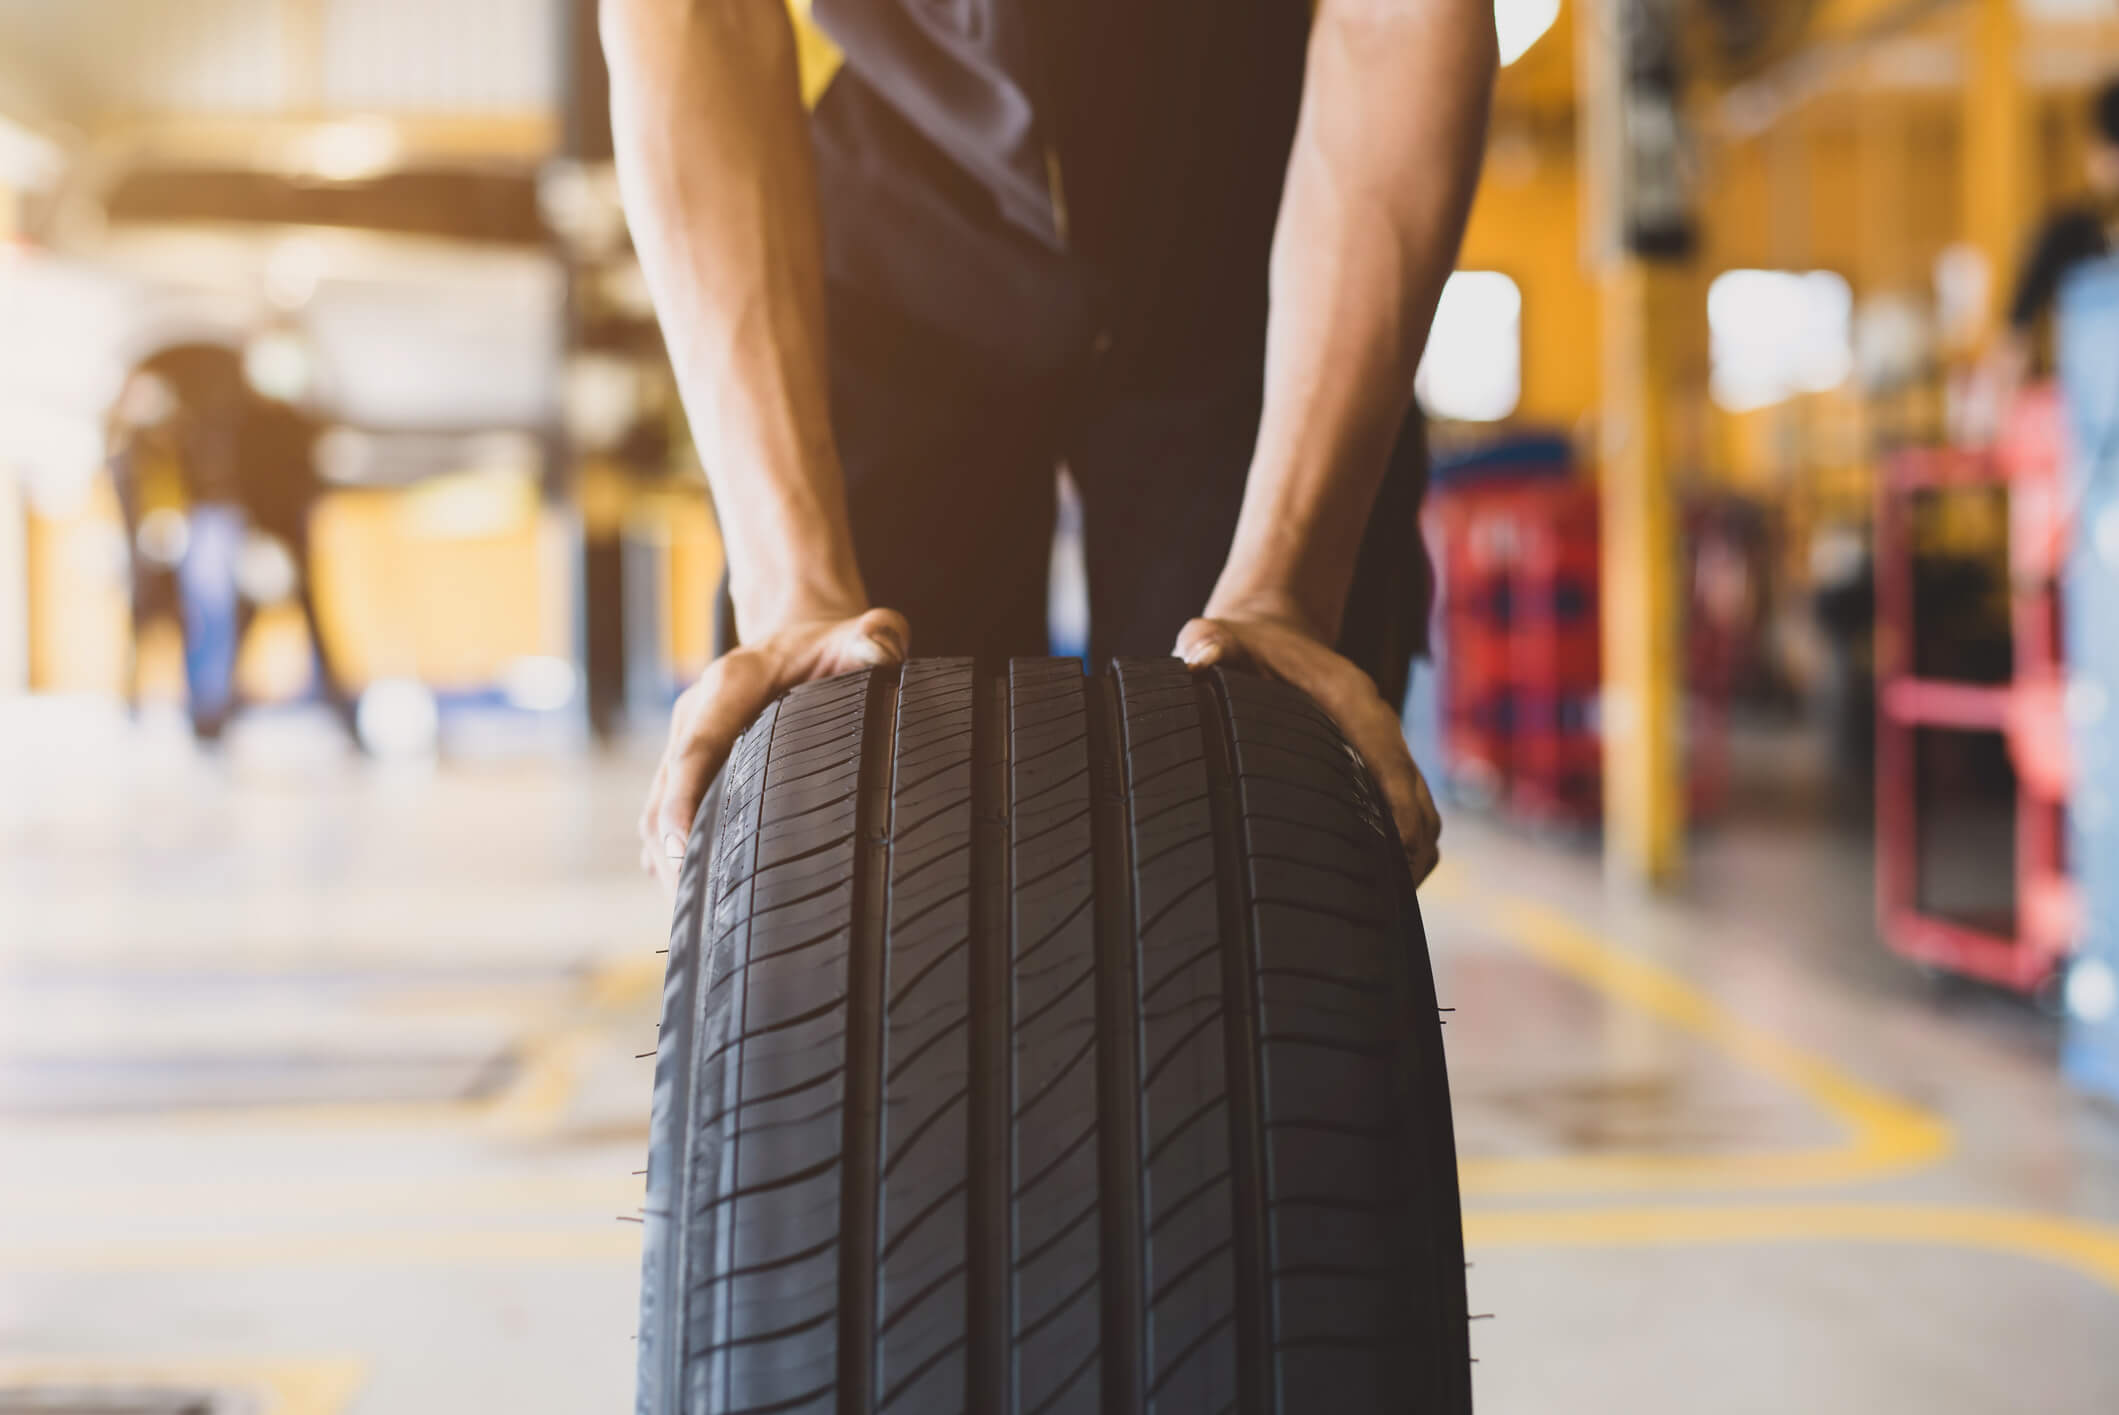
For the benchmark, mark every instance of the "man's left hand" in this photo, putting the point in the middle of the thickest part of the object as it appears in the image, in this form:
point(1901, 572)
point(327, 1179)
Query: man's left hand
point(1347, 695)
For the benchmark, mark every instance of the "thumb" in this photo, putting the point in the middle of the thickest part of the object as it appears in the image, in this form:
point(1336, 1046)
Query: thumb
point(1202, 643)
point(878, 639)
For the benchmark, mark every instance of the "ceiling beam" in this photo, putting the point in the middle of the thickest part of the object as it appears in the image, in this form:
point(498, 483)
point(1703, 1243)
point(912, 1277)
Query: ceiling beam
point(1845, 33)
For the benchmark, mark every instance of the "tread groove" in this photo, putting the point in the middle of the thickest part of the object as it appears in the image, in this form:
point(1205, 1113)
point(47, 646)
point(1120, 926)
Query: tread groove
point(1058, 1235)
point(800, 855)
point(860, 1187)
point(1058, 1159)
point(1057, 929)
point(1005, 1143)
point(1205, 1335)
point(1165, 1285)
point(1192, 1117)
point(912, 1224)
point(761, 1337)
point(1065, 1383)
point(1184, 1039)
point(912, 1377)
point(1123, 1269)
point(736, 1042)
point(898, 1064)
point(908, 1142)
point(793, 1402)
point(1256, 1378)
point(925, 1290)
point(1163, 911)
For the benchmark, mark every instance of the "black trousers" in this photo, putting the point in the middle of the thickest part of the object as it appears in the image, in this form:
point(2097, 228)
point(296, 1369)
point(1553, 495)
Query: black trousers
point(968, 364)
point(950, 466)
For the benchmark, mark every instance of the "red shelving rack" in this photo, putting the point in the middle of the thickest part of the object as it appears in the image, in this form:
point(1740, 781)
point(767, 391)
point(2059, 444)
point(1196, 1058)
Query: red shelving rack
point(1518, 570)
point(2026, 711)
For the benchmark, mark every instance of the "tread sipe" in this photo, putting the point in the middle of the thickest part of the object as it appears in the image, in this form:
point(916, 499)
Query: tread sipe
point(1036, 1043)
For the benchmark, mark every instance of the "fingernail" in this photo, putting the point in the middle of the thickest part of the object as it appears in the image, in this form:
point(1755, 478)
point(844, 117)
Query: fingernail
point(673, 845)
point(1196, 654)
point(878, 648)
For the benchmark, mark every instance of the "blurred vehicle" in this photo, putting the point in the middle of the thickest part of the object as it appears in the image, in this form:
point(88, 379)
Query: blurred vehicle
point(273, 313)
point(411, 297)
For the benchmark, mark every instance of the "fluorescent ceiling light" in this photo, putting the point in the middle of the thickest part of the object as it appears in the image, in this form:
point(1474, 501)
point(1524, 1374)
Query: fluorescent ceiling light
point(1778, 333)
point(1473, 371)
point(1522, 23)
point(28, 160)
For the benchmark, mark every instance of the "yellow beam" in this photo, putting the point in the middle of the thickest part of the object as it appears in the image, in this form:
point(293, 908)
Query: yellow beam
point(1884, 199)
point(1652, 313)
point(1834, 44)
point(1646, 307)
point(1996, 186)
point(1847, 19)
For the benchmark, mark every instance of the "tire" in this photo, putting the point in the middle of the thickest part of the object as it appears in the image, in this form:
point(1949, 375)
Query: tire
point(1035, 1042)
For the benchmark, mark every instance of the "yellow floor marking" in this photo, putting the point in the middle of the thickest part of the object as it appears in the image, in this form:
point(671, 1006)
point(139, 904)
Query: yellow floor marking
point(626, 981)
point(619, 1243)
point(548, 1067)
point(282, 1195)
point(513, 1001)
point(2087, 1248)
point(1884, 1134)
point(286, 1387)
point(548, 1062)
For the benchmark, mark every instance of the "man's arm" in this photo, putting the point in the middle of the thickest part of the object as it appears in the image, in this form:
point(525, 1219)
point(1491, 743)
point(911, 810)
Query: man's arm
point(720, 192)
point(1379, 185)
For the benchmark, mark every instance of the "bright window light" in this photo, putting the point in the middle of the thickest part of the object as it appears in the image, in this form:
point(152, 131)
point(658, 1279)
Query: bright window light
point(1777, 333)
point(1521, 23)
point(1473, 371)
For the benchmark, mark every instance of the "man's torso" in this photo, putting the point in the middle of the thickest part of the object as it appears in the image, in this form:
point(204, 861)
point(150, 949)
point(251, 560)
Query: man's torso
point(1138, 145)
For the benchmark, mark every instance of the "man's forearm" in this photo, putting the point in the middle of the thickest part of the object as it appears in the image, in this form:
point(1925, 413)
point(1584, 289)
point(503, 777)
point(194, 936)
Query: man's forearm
point(720, 192)
point(1379, 183)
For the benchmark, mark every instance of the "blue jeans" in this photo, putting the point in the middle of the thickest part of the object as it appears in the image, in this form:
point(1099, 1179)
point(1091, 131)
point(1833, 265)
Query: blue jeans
point(2088, 349)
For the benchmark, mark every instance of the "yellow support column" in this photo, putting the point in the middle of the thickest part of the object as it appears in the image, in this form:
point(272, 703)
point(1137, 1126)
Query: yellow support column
point(1645, 306)
point(1884, 201)
point(1997, 189)
point(1641, 227)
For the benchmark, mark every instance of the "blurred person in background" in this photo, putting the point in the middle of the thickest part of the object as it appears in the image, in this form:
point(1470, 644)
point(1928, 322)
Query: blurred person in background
point(208, 475)
point(2085, 230)
point(1019, 233)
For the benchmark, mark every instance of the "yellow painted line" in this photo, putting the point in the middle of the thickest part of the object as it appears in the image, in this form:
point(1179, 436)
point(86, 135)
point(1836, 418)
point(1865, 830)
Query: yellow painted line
point(1446, 885)
point(1885, 1135)
point(619, 1243)
point(2086, 1248)
point(625, 981)
point(283, 1387)
point(282, 1195)
point(544, 1085)
point(534, 1103)
point(513, 1001)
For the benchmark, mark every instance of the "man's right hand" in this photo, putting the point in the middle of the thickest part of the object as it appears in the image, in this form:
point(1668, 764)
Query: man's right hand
point(728, 697)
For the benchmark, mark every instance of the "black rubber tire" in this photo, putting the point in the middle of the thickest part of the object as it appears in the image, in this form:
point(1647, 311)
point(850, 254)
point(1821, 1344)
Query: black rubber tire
point(1035, 1042)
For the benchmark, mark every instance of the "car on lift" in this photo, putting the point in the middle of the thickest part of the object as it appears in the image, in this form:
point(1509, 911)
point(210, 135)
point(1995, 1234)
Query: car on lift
point(307, 305)
point(410, 295)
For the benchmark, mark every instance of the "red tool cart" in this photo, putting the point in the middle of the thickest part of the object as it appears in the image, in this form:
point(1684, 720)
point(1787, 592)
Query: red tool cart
point(1517, 567)
point(1520, 650)
point(2024, 946)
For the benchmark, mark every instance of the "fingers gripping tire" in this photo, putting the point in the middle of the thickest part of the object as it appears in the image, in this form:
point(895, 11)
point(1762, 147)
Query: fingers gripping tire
point(1034, 1043)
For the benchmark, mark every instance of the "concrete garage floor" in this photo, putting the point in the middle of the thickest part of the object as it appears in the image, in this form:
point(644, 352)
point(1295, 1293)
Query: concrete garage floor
point(318, 1079)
